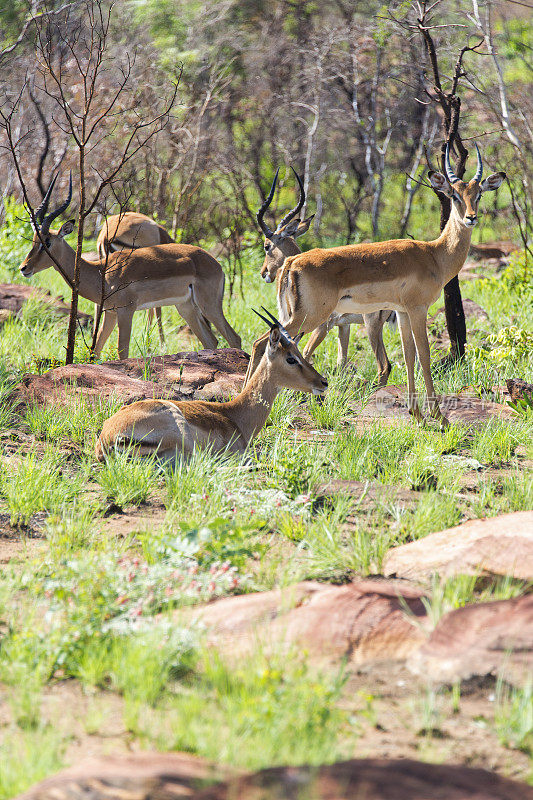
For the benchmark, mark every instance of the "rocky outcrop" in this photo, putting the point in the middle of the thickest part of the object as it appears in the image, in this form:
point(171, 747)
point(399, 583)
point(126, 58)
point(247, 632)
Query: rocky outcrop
point(207, 374)
point(481, 639)
point(495, 546)
point(13, 296)
point(463, 407)
point(164, 776)
point(364, 621)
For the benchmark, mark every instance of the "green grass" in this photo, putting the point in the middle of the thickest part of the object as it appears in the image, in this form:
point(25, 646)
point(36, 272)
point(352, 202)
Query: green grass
point(110, 614)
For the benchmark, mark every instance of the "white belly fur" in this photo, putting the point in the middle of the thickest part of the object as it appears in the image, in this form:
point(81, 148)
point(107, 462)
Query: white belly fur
point(164, 301)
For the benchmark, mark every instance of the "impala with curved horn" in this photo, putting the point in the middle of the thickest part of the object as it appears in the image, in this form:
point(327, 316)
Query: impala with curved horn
point(170, 428)
point(132, 230)
point(165, 274)
point(280, 244)
point(402, 275)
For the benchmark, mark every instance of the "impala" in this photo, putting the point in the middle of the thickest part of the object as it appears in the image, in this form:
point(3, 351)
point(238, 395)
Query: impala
point(280, 244)
point(170, 428)
point(132, 230)
point(402, 275)
point(162, 275)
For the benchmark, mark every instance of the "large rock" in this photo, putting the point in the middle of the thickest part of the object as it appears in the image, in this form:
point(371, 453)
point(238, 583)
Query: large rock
point(364, 621)
point(500, 250)
point(480, 639)
point(164, 776)
point(13, 296)
point(139, 776)
point(495, 546)
point(464, 407)
point(207, 374)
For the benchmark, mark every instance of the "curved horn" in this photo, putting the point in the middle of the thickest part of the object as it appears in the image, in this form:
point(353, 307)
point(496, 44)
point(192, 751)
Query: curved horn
point(479, 170)
point(260, 214)
point(450, 174)
point(45, 227)
point(43, 208)
point(277, 323)
point(297, 208)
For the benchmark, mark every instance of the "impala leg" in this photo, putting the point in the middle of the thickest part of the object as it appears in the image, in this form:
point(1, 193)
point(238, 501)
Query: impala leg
point(418, 319)
point(408, 347)
point(108, 323)
point(316, 338)
point(124, 318)
point(193, 317)
point(374, 329)
point(211, 308)
point(342, 345)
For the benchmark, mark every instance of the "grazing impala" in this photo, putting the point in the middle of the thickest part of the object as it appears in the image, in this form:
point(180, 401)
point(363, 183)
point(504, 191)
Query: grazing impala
point(280, 244)
point(402, 274)
point(162, 275)
point(133, 230)
point(169, 427)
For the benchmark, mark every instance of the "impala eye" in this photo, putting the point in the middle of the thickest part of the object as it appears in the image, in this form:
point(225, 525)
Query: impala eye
point(267, 247)
point(291, 360)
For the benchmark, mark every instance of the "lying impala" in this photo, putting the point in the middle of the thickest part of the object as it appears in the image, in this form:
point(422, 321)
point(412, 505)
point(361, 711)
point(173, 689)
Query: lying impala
point(169, 427)
point(132, 230)
point(162, 275)
point(280, 244)
point(402, 274)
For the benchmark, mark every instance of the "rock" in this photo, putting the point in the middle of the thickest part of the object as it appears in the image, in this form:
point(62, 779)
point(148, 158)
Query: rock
point(209, 374)
point(165, 776)
point(139, 776)
point(464, 407)
point(472, 310)
point(13, 296)
point(371, 779)
point(364, 621)
point(495, 546)
point(499, 250)
point(519, 389)
point(480, 639)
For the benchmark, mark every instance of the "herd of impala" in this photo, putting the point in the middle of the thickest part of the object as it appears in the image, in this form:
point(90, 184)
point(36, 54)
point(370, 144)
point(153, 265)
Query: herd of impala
point(139, 266)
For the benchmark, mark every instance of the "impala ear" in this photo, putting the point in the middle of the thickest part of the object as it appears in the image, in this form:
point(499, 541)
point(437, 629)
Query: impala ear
point(273, 341)
point(66, 228)
point(439, 182)
point(493, 181)
point(296, 228)
point(303, 227)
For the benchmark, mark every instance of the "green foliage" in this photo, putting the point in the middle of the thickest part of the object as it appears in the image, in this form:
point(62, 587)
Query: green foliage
point(16, 236)
point(513, 716)
point(128, 480)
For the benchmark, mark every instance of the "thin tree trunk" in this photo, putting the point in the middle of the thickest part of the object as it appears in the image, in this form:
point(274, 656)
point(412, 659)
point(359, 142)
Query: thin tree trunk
point(73, 318)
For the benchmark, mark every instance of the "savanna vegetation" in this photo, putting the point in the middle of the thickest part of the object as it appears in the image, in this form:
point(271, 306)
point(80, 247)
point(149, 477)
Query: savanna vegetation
point(97, 652)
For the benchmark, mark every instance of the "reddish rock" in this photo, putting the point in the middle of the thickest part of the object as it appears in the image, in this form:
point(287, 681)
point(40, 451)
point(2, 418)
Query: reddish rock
point(371, 779)
point(480, 639)
point(496, 546)
point(363, 621)
point(13, 296)
point(463, 407)
point(164, 776)
point(208, 374)
point(500, 250)
point(472, 310)
point(139, 776)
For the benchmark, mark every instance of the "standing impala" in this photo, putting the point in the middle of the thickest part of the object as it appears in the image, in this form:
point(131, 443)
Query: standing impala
point(170, 428)
point(132, 230)
point(162, 275)
point(402, 274)
point(280, 244)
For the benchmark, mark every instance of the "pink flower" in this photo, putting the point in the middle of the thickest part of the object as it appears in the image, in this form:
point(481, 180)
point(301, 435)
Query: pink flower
point(235, 581)
point(213, 570)
point(122, 599)
point(169, 591)
point(193, 570)
point(211, 587)
point(225, 566)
